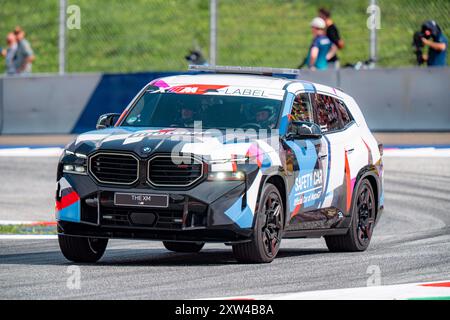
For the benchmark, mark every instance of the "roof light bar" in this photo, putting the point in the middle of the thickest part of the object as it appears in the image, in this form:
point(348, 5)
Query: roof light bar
point(245, 70)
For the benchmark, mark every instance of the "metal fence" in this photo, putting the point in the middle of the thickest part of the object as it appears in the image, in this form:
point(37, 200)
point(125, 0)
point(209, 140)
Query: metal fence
point(276, 33)
point(405, 17)
point(152, 35)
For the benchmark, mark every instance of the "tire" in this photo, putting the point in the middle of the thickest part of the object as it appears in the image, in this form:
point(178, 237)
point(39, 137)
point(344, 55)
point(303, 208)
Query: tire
point(82, 249)
point(268, 230)
point(192, 247)
point(362, 223)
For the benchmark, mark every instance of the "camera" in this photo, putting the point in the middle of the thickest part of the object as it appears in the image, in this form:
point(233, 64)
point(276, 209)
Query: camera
point(195, 57)
point(418, 47)
point(429, 29)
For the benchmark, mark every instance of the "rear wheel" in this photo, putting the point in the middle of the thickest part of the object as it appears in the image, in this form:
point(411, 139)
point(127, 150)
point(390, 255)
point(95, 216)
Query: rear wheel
point(363, 221)
point(82, 249)
point(183, 246)
point(267, 232)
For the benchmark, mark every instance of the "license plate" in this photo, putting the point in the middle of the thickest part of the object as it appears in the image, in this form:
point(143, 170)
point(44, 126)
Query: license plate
point(141, 200)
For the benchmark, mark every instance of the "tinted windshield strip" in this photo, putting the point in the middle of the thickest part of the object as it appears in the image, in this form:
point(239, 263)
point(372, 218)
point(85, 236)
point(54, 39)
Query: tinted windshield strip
point(156, 109)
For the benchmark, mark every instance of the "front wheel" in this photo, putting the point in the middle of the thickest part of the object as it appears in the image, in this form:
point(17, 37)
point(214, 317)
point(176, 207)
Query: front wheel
point(363, 221)
point(267, 233)
point(82, 249)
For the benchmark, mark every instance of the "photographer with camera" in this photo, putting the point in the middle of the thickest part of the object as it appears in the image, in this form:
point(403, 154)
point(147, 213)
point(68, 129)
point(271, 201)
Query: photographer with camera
point(431, 36)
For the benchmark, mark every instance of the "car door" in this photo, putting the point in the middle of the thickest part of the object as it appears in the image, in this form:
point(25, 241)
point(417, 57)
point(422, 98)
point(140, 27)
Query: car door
point(305, 168)
point(333, 158)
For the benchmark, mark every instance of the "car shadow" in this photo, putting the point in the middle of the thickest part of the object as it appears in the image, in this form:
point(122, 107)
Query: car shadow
point(147, 257)
point(205, 257)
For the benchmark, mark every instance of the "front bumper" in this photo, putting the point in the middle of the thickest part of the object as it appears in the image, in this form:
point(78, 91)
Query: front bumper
point(229, 234)
point(208, 212)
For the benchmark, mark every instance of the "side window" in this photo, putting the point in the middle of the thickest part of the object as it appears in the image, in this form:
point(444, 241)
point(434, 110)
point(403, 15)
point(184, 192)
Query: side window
point(326, 113)
point(345, 115)
point(302, 109)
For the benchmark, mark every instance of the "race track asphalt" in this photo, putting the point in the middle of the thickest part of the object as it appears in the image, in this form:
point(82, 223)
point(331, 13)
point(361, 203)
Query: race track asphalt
point(411, 244)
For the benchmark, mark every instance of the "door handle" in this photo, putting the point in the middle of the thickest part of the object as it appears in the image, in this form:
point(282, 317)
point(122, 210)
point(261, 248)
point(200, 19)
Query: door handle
point(323, 156)
point(350, 150)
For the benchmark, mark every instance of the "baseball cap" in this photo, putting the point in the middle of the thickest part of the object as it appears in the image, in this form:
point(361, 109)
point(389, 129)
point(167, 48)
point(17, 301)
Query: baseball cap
point(318, 23)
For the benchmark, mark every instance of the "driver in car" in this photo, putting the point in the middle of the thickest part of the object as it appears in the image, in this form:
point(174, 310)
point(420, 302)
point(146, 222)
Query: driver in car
point(265, 117)
point(185, 118)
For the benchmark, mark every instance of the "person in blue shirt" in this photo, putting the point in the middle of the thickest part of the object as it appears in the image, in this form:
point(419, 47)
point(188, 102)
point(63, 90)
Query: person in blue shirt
point(436, 42)
point(322, 49)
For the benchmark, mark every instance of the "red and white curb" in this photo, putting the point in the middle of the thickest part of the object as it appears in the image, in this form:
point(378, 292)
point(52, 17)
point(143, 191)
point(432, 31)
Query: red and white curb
point(27, 223)
point(431, 290)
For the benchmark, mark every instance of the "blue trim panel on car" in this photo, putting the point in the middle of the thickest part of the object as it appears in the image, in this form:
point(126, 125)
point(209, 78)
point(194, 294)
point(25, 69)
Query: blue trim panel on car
point(243, 218)
point(309, 87)
point(307, 158)
point(286, 110)
point(70, 213)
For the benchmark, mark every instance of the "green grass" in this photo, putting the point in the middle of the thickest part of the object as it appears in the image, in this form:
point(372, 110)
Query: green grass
point(26, 229)
point(151, 35)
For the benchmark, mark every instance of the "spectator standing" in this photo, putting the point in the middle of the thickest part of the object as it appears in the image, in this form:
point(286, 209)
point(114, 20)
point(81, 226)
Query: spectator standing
point(437, 44)
point(24, 56)
point(333, 34)
point(321, 48)
point(9, 53)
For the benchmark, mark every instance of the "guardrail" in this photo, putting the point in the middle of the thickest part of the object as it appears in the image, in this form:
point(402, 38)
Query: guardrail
point(413, 99)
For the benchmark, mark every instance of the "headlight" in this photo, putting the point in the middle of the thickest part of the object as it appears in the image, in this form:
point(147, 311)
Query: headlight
point(74, 163)
point(226, 176)
point(69, 168)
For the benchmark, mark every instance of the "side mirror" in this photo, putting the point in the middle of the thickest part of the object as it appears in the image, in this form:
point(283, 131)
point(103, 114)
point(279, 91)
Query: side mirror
point(303, 130)
point(107, 120)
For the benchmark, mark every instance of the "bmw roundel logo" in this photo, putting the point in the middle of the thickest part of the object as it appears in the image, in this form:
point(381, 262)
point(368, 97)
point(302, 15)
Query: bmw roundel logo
point(146, 149)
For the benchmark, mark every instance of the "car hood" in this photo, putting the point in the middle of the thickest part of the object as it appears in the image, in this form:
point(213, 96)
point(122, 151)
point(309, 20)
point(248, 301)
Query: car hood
point(208, 144)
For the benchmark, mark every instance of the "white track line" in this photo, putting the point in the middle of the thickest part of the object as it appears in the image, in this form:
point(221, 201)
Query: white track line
point(30, 152)
point(417, 152)
point(14, 222)
point(28, 236)
point(391, 292)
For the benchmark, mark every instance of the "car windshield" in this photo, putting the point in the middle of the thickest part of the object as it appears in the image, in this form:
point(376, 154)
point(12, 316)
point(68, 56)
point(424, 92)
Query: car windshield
point(157, 109)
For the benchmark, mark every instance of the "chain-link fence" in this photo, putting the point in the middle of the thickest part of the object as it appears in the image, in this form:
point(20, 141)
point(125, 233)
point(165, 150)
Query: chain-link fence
point(276, 32)
point(40, 20)
point(138, 35)
point(148, 35)
point(399, 20)
point(114, 35)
